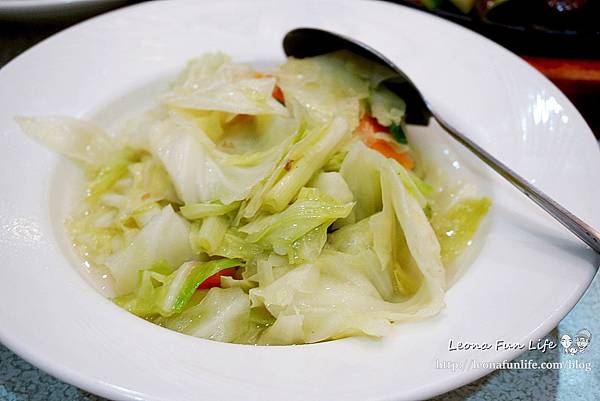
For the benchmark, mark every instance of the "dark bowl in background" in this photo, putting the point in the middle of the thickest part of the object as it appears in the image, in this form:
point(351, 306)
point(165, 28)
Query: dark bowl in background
point(532, 27)
point(560, 38)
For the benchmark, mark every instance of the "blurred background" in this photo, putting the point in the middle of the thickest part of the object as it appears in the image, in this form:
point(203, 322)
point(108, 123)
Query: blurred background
point(561, 38)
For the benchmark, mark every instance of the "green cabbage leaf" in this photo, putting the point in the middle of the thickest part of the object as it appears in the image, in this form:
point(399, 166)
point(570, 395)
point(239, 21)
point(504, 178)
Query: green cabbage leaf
point(159, 293)
point(212, 82)
point(165, 237)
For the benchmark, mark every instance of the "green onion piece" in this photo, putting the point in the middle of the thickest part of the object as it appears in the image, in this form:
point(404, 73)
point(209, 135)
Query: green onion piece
point(398, 133)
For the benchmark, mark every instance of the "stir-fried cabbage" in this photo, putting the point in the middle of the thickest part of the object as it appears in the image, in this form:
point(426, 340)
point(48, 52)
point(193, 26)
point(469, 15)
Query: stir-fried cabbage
point(268, 208)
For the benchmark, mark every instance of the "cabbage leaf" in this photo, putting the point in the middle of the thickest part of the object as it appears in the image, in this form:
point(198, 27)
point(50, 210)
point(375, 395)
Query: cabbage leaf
point(222, 315)
point(213, 82)
point(200, 172)
point(165, 237)
point(173, 291)
point(456, 226)
point(79, 140)
point(387, 107)
point(281, 231)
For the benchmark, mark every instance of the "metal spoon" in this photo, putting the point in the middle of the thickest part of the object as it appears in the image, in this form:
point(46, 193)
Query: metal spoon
point(308, 42)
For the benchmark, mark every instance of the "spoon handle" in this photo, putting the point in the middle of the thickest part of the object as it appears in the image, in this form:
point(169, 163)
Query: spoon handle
point(584, 231)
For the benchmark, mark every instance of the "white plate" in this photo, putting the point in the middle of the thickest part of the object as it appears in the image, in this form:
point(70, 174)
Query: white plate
point(33, 10)
point(528, 275)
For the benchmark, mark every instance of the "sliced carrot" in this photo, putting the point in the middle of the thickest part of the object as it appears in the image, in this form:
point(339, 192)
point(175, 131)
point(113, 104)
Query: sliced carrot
point(277, 93)
point(215, 279)
point(383, 147)
point(405, 160)
point(367, 127)
point(387, 150)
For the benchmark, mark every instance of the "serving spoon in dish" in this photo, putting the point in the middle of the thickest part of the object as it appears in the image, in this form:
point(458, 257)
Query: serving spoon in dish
point(309, 42)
